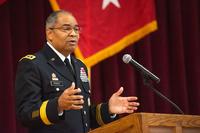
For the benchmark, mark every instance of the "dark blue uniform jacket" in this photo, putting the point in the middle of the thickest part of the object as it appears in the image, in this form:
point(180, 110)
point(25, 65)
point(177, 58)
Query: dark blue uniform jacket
point(40, 80)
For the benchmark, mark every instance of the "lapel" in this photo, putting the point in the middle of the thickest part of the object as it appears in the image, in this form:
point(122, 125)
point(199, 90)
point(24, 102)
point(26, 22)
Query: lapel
point(56, 63)
point(76, 67)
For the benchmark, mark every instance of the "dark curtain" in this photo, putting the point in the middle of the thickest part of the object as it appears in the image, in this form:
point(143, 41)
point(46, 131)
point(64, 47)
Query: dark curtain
point(172, 53)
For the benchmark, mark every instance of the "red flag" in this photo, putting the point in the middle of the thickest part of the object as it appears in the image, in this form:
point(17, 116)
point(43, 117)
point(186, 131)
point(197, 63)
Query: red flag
point(108, 26)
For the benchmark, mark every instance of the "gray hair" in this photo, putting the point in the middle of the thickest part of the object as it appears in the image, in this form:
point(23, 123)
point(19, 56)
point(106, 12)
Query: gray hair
point(52, 18)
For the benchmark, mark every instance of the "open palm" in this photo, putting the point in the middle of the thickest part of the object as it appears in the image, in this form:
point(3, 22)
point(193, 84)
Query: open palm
point(118, 104)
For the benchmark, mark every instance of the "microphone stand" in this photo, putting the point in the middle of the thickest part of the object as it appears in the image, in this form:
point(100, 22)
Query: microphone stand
point(147, 82)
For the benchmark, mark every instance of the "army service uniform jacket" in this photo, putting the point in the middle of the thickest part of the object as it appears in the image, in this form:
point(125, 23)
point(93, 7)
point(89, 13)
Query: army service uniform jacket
point(40, 80)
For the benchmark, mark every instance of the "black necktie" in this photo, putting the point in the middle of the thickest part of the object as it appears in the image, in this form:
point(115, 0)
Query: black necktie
point(69, 66)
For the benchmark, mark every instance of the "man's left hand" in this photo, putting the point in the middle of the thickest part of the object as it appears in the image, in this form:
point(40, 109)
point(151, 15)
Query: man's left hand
point(119, 105)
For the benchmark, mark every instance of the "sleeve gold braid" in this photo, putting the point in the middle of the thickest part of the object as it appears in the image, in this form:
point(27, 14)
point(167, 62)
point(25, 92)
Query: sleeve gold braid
point(43, 113)
point(35, 114)
point(98, 115)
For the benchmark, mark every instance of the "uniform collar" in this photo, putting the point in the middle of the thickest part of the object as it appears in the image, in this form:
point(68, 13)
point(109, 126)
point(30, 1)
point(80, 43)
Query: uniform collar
point(61, 56)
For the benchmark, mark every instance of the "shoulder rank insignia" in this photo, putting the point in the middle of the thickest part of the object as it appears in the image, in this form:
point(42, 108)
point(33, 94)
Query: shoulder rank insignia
point(29, 56)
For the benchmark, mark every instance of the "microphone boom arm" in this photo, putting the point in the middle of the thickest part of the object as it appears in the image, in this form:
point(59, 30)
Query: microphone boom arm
point(148, 84)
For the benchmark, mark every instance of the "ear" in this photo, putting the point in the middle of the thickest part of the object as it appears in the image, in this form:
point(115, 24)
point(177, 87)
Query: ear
point(49, 34)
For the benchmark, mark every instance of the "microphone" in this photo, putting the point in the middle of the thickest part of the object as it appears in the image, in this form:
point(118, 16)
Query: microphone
point(148, 75)
point(128, 59)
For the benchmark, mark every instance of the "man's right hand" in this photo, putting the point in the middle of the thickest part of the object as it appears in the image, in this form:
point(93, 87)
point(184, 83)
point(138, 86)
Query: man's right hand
point(70, 100)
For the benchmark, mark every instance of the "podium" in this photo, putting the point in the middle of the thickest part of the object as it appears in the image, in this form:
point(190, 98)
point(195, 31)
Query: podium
point(152, 123)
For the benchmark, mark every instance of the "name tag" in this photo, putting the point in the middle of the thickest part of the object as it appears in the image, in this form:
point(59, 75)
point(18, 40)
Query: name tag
point(56, 83)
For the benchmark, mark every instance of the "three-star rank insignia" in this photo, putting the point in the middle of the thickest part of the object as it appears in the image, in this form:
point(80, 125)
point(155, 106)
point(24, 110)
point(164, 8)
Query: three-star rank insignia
point(29, 56)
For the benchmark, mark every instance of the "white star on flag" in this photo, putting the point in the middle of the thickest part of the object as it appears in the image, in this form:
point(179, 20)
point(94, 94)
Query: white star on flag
point(107, 2)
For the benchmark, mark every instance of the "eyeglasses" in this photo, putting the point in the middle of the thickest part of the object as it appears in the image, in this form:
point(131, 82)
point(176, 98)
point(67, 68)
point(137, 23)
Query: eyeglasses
point(68, 28)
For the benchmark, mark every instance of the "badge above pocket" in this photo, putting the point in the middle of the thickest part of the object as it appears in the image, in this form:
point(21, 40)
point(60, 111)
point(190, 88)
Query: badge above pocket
point(55, 81)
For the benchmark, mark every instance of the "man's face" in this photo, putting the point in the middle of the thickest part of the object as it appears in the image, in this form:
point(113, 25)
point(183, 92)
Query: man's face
point(64, 35)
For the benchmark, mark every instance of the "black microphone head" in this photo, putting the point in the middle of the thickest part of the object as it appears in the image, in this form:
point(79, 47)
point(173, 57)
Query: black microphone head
point(127, 58)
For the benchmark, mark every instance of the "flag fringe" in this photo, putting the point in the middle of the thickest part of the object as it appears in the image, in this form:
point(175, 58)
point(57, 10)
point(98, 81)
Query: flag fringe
point(118, 46)
point(113, 48)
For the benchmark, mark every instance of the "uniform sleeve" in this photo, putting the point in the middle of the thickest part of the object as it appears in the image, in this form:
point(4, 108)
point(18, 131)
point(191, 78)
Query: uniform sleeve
point(100, 115)
point(31, 110)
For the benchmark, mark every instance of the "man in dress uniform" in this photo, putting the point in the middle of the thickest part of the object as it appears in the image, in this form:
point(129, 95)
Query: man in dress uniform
point(52, 88)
